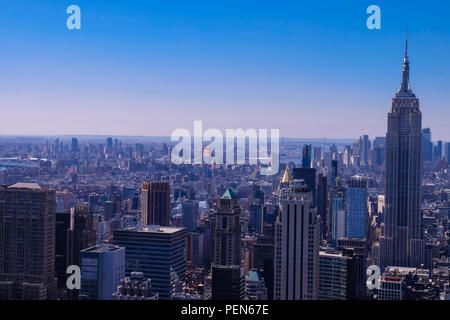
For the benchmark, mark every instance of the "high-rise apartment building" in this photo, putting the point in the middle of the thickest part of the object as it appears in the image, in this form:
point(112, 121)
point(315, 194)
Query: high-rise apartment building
point(401, 242)
point(27, 242)
point(155, 203)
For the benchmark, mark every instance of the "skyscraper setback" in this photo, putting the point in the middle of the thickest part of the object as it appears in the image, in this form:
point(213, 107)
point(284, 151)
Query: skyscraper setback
point(402, 241)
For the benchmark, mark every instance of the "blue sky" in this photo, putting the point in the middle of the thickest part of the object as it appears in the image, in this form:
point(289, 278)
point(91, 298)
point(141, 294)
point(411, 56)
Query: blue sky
point(311, 69)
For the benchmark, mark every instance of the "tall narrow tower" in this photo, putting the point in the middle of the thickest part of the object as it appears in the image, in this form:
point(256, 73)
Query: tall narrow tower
point(402, 241)
point(297, 240)
point(227, 231)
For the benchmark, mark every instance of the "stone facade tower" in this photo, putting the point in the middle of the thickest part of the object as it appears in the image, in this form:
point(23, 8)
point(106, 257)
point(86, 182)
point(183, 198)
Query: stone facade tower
point(402, 241)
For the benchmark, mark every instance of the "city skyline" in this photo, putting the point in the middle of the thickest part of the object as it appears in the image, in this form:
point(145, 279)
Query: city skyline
point(136, 161)
point(153, 70)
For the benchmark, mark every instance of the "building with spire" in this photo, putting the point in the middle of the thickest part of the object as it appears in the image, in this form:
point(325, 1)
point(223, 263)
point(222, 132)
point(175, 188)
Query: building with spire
point(227, 230)
point(401, 242)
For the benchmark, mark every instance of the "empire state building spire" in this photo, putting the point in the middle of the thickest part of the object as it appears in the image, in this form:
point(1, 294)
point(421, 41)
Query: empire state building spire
point(405, 88)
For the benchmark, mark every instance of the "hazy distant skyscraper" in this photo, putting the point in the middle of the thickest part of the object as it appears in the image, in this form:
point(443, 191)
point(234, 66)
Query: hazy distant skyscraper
point(427, 145)
point(364, 149)
point(155, 203)
point(75, 145)
point(447, 152)
point(306, 160)
point(334, 172)
point(402, 242)
point(190, 216)
point(437, 151)
point(379, 147)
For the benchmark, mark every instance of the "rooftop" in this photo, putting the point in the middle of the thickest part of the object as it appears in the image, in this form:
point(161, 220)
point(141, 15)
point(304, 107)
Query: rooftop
point(103, 248)
point(229, 194)
point(155, 229)
point(25, 185)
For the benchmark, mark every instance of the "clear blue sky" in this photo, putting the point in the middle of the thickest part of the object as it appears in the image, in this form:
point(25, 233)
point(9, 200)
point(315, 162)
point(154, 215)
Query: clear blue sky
point(310, 68)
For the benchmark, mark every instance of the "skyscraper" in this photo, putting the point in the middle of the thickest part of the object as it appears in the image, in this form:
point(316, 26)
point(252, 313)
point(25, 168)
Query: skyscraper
point(27, 242)
point(227, 230)
point(427, 145)
point(364, 149)
point(402, 242)
point(297, 239)
point(306, 160)
point(322, 204)
point(62, 226)
point(155, 203)
point(102, 267)
point(75, 145)
point(157, 252)
point(190, 216)
point(356, 215)
point(447, 152)
point(337, 215)
point(256, 218)
point(437, 151)
point(228, 282)
point(81, 234)
point(309, 175)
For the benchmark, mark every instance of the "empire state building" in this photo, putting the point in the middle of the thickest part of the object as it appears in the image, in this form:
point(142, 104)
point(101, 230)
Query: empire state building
point(401, 241)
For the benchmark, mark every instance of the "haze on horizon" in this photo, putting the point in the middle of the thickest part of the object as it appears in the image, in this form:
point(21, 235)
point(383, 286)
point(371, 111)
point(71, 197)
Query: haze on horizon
point(311, 70)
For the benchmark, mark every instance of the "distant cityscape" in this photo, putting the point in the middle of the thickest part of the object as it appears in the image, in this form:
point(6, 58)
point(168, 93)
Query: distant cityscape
point(139, 227)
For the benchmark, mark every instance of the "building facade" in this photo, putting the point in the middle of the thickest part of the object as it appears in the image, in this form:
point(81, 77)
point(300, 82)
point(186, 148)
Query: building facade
point(155, 203)
point(27, 242)
point(102, 267)
point(402, 242)
point(155, 251)
point(297, 240)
